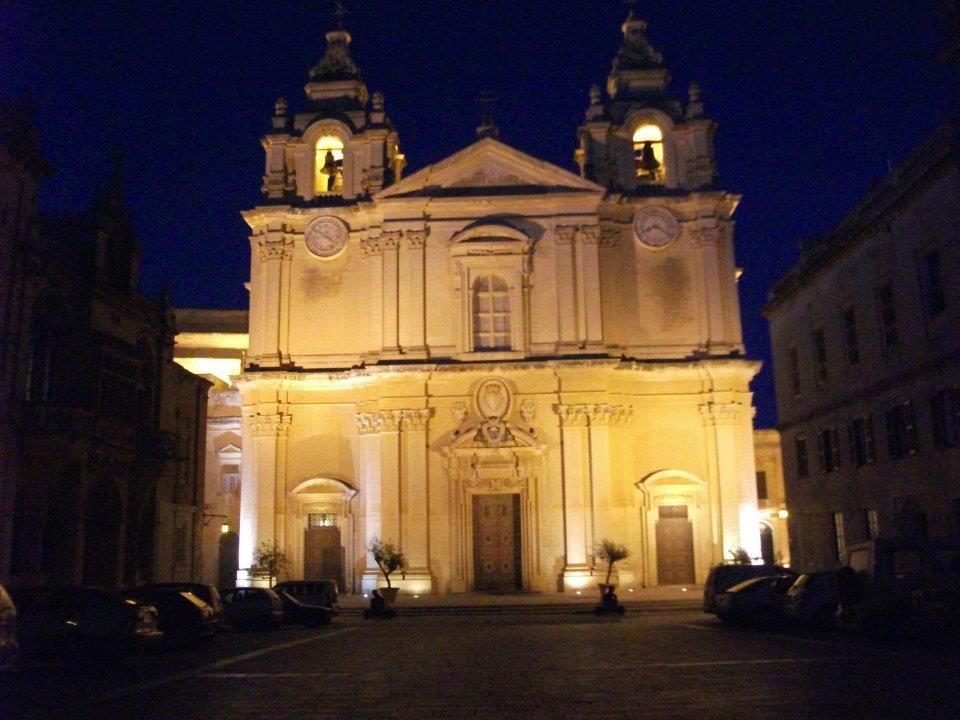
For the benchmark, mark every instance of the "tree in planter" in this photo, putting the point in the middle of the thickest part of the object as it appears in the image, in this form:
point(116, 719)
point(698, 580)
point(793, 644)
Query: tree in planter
point(740, 556)
point(269, 561)
point(387, 557)
point(611, 553)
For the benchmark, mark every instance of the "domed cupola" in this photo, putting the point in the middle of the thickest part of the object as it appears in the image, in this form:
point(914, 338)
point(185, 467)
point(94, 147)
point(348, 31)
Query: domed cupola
point(340, 146)
point(641, 137)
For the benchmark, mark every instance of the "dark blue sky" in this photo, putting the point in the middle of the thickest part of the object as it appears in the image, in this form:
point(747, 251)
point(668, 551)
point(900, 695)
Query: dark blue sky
point(813, 100)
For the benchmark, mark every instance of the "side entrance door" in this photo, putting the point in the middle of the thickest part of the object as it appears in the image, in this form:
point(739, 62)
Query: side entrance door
point(496, 542)
point(674, 546)
point(322, 554)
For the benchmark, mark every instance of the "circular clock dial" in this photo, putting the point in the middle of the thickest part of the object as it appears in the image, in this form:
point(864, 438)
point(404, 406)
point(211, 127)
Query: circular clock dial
point(326, 236)
point(655, 227)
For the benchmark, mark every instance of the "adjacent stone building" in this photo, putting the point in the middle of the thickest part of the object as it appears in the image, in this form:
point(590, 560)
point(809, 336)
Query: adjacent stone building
point(866, 353)
point(494, 363)
point(102, 434)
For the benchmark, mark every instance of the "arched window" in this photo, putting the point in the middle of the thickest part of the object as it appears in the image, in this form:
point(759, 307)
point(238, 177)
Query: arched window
point(648, 154)
point(491, 313)
point(328, 163)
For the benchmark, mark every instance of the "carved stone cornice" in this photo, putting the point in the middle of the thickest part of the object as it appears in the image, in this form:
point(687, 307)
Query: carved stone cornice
point(595, 414)
point(610, 236)
point(415, 420)
point(572, 415)
point(589, 234)
point(706, 236)
point(416, 238)
point(270, 425)
point(274, 250)
point(724, 413)
point(565, 234)
point(504, 482)
point(377, 244)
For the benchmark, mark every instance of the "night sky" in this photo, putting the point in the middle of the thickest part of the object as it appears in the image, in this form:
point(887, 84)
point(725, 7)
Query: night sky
point(814, 101)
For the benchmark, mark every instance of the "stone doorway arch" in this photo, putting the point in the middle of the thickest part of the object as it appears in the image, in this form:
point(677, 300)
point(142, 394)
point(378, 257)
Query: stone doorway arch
point(320, 530)
point(672, 497)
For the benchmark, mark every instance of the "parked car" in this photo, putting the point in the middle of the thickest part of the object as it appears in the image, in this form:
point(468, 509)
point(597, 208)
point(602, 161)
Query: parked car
point(77, 622)
point(208, 593)
point(758, 601)
point(308, 602)
point(252, 607)
point(9, 647)
point(722, 577)
point(895, 581)
point(813, 600)
point(182, 616)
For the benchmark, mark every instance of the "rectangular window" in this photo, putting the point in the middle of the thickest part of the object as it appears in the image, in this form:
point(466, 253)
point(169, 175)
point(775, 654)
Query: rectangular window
point(872, 523)
point(931, 285)
point(945, 417)
point(820, 355)
point(803, 461)
point(851, 340)
point(839, 536)
point(761, 485)
point(888, 317)
point(829, 447)
point(229, 479)
point(795, 371)
point(901, 431)
point(861, 441)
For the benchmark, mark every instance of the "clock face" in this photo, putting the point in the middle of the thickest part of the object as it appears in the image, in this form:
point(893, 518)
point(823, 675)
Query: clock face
point(655, 227)
point(326, 236)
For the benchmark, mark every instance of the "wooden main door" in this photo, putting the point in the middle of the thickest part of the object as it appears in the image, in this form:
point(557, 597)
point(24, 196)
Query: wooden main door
point(322, 554)
point(496, 542)
point(674, 546)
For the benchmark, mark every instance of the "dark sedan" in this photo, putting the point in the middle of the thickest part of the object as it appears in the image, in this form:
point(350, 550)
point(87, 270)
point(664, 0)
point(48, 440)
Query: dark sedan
point(183, 617)
point(758, 602)
point(73, 621)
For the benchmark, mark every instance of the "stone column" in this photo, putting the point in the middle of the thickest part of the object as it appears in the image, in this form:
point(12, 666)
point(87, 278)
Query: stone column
point(733, 491)
point(588, 239)
point(412, 292)
point(369, 472)
point(389, 241)
point(259, 482)
point(566, 285)
point(576, 494)
point(414, 511)
point(706, 240)
point(272, 253)
point(372, 249)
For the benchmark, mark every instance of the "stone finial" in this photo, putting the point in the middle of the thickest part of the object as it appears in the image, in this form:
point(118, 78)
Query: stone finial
point(377, 101)
point(694, 103)
point(596, 97)
point(280, 107)
point(636, 53)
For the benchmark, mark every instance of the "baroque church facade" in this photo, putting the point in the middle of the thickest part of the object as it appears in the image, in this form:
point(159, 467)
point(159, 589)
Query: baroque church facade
point(493, 363)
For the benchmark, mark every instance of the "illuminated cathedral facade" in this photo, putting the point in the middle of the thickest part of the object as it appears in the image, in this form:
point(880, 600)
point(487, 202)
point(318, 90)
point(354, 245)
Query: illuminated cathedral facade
point(493, 362)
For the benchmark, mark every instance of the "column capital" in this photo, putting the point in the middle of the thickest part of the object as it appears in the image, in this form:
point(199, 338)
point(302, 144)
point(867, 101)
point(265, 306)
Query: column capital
point(416, 238)
point(393, 420)
point(588, 234)
point(596, 414)
point(270, 249)
point(270, 425)
point(724, 413)
point(565, 234)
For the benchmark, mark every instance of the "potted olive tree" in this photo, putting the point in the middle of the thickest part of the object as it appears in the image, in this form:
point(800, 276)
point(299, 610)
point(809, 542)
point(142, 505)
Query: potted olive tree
point(611, 553)
point(388, 559)
point(269, 561)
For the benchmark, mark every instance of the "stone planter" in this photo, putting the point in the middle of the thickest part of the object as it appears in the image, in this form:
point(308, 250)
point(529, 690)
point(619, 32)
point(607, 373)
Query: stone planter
point(389, 595)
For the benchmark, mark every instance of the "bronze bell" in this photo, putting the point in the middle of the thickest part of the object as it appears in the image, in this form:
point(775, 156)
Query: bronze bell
point(329, 164)
point(647, 162)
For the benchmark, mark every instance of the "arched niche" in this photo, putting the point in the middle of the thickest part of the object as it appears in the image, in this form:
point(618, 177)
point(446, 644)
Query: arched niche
point(672, 488)
point(331, 499)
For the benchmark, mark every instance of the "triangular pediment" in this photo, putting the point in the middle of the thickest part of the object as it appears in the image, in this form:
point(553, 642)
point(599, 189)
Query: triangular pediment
point(488, 167)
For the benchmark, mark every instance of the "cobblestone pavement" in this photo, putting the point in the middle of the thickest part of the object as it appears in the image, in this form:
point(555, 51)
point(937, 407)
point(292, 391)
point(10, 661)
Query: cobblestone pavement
point(675, 664)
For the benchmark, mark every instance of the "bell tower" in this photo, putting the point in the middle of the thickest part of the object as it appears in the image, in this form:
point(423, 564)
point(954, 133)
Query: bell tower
point(340, 146)
point(640, 137)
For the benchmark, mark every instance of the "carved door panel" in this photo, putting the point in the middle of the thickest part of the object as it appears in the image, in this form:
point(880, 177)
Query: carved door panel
point(496, 542)
point(322, 554)
point(674, 546)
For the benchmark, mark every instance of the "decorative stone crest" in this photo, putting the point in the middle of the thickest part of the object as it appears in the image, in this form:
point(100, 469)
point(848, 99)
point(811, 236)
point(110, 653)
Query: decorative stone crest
point(528, 410)
point(459, 412)
point(493, 399)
